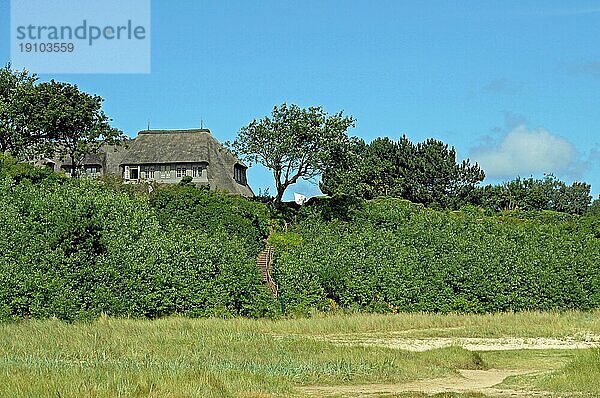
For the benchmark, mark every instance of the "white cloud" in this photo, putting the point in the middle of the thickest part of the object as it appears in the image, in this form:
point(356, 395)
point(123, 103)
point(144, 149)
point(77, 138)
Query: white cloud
point(524, 152)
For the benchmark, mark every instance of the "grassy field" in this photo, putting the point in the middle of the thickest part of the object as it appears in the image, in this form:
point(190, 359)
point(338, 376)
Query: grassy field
point(179, 357)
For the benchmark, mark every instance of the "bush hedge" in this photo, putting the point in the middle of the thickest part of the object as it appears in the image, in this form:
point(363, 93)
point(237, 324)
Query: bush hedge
point(211, 212)
point(397, 256)
point(76, 249)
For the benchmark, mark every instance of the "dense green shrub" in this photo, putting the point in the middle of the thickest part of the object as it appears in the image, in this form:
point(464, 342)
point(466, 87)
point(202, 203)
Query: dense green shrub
point(74, 249)
point(397, 256)
point(77, 249)
point(214, 213)
point(18, 171)
point(594, 208)
point(342, 207)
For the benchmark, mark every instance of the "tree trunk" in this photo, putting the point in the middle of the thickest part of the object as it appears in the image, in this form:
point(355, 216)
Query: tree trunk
point(73, 167)
point(278, 198)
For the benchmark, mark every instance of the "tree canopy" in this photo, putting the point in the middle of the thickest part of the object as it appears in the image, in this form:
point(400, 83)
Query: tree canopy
point(74, 121)
point(294, 143)
point(594, 208)
point(50, 118)
point(548, 193)
point(18, 119)
point(426, 172)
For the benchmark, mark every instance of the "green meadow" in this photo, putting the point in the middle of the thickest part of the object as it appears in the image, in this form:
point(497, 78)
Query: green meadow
point(241, 357)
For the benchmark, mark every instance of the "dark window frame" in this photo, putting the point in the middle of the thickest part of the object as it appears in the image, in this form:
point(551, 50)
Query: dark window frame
point(239, 174)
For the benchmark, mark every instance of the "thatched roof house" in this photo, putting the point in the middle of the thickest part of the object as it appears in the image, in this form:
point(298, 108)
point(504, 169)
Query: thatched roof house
point(166, 156)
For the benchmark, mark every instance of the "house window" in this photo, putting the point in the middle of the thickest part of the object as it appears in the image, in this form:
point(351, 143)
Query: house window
point(165, 171)
point(239, 174)
point(68, 169)
point(180, 172)
point(92, 171)
point(197, 171)
point(149, 172)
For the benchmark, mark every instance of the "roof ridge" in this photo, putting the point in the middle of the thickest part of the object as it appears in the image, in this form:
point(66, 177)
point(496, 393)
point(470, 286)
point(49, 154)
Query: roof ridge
point(177, 131)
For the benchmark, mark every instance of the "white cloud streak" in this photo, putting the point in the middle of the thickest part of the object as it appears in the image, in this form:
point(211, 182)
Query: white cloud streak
point(523, 152)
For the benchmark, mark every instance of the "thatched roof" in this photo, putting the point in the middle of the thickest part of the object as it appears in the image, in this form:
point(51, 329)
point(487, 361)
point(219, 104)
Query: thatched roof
point(173, 146)
point(186, 146)
point(90, 159)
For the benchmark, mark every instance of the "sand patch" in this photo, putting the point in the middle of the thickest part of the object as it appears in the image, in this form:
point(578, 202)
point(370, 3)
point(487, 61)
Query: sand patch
point(482, 381)
point(470, 343)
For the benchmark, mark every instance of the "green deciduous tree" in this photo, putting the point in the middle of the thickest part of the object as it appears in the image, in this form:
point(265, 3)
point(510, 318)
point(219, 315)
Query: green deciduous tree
point(294, 143)
point(50, 118)
point(19, 128)
point(74, 121)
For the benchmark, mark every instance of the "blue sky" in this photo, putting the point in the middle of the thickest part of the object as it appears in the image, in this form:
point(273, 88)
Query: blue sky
point(514, 85)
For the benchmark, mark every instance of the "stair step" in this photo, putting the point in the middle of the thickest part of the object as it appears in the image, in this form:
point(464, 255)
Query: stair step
point(264, 263)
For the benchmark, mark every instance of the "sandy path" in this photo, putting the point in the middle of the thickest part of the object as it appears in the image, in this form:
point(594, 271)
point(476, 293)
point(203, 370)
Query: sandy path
point(482, 381)
point(470, 343)
point(582, 340)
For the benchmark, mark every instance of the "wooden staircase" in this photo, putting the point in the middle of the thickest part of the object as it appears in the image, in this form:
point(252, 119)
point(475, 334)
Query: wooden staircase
point(265, 263)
